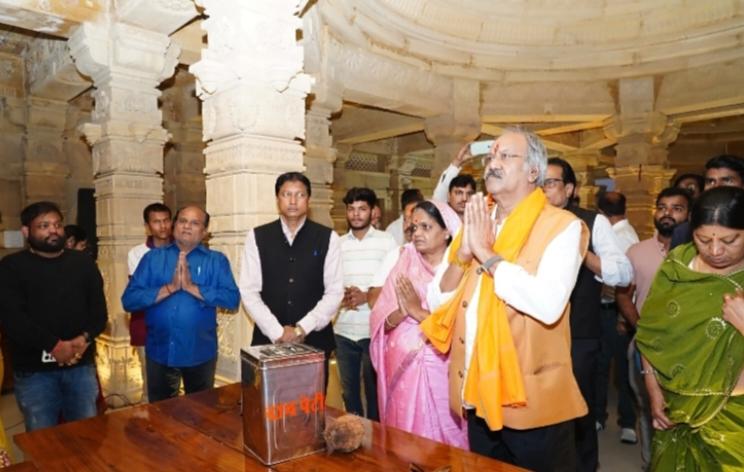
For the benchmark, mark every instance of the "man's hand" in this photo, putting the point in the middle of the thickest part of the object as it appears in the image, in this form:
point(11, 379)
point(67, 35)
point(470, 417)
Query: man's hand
point(462, 155)
point(79, 346)
point(64, 353)
point(290, 336)
point(353, 297)
point(481, 229)
point(733, 309)
point(186, 283)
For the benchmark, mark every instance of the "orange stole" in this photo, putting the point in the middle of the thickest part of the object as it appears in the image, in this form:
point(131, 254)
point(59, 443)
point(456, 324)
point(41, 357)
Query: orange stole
point(543, 351)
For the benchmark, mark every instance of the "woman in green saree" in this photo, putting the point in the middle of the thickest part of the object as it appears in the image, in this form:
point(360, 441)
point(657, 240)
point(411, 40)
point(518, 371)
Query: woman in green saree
point(691, 335)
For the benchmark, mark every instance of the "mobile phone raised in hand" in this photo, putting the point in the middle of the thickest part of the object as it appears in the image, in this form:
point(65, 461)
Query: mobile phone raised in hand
point(480, 148)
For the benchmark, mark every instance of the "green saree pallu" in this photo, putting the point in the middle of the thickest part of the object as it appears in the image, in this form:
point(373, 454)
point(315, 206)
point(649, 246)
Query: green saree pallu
point(698, 358)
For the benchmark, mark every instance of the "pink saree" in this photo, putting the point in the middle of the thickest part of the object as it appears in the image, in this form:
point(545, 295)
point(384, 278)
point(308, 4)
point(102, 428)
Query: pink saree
point(412, 381)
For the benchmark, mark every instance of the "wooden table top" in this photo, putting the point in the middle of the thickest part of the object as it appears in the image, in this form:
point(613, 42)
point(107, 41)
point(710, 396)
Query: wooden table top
point(205, 431)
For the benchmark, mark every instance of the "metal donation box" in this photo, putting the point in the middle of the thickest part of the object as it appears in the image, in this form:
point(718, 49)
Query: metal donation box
point(283, 404)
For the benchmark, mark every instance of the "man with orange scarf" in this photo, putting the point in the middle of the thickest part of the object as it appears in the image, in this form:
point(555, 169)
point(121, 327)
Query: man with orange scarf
point(501, 311)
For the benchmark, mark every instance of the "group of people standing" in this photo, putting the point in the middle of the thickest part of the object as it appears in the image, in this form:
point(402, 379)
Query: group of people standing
point(477, 319)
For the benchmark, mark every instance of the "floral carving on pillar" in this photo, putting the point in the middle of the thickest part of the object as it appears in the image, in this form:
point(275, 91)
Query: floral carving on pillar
point(126, 64)
point(251, 81)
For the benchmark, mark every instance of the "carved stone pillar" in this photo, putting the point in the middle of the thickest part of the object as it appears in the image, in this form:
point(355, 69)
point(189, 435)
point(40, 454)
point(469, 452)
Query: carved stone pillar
point(450, 132)
point(400, 169)
point(319, 158)
point(583, 163)
point(184, 181)
point(44, 166)
point(251, 82)
point(340, 187)
point(126, 64)
point(643, 135)
point(12, 137)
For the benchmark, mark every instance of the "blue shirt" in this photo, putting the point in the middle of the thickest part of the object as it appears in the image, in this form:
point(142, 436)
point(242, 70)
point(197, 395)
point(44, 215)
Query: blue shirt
point(181, 329)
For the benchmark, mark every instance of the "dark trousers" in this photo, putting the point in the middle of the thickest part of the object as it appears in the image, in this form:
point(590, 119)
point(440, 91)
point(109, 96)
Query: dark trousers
point(353, 365)
point(163, 382)
point(584, 355)
point(614, 348)
point(549, 448)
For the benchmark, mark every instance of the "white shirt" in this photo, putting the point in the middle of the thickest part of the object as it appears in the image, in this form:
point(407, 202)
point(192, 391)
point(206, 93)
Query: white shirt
point(626, 237)
point(251, 283)
point(360, 259)
point(626, 234)
point(616, 268)
point(387, 264)
point(395, 229)
point(543, 296)
point(135, 255)
point(441, 191)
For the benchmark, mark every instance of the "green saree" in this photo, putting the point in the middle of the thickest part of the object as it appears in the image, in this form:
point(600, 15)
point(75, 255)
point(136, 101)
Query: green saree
point(698, 358)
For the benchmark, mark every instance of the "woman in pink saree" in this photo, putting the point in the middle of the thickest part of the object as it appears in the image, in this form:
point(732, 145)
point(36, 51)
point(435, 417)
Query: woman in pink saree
point(412, 385)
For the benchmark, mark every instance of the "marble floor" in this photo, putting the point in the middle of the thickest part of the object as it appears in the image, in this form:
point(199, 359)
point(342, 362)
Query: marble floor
point(614, 456)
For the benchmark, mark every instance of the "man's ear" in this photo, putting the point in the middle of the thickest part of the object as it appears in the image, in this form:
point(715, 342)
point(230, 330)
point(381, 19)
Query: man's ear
point(24, 230)
point(571, 189)
point(532, 176)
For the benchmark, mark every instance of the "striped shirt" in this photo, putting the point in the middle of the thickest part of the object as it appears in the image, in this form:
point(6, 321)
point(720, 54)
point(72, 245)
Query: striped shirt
point(360, 259)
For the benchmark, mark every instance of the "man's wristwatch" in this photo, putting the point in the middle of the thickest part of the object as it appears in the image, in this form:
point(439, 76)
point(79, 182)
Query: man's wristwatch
point(298, 331)
point(490, 262)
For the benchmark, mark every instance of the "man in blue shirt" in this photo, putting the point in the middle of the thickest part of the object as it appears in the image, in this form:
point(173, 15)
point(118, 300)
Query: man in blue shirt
point(179, 287)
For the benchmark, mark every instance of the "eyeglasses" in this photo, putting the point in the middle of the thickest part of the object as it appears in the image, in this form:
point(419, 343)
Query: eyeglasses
point(551, 183)
point(290, 195)
point(503, 156)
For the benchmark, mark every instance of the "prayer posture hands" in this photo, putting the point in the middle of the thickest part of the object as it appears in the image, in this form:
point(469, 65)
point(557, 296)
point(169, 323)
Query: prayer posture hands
point(408, 300)
point(479, 231)
point(181, 280)
point(733, 309)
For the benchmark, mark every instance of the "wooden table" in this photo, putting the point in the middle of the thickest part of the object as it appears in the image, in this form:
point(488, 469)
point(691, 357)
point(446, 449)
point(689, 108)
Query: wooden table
point(204, 431)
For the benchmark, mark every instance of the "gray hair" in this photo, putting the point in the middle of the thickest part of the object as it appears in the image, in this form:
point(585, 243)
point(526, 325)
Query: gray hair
point(537, 155)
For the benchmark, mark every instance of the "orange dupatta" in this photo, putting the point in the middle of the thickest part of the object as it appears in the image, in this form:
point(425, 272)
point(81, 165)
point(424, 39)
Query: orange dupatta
point(494, 378)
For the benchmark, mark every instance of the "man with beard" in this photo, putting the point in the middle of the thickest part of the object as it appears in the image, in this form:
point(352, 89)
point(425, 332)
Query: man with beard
point(53, 307)
point(362, 251)
point(672, 207)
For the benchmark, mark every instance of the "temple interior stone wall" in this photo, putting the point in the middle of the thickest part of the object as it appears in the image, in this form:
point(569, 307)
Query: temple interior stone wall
point(206, 101)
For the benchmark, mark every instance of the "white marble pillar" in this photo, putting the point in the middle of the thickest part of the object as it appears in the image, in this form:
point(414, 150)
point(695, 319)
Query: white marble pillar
point(126, 64)
point(251, 82)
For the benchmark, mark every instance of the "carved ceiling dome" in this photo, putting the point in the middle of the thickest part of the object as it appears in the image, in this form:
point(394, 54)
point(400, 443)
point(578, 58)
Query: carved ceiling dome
point(534, 40)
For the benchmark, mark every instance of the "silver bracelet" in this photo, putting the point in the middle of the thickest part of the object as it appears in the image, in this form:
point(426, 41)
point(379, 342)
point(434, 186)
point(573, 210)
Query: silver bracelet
point(650, 371)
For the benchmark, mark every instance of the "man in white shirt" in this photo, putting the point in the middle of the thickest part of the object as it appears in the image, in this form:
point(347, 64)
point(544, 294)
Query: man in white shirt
point(454, 188)
point(362, 251)
point(533, 287)
point(158, 225)
point(291, 281)
point(604, 263)
point(397, 229)
point(615, 331)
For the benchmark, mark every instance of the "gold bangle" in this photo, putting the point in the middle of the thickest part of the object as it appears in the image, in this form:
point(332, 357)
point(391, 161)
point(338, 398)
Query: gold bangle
point(389, 324)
